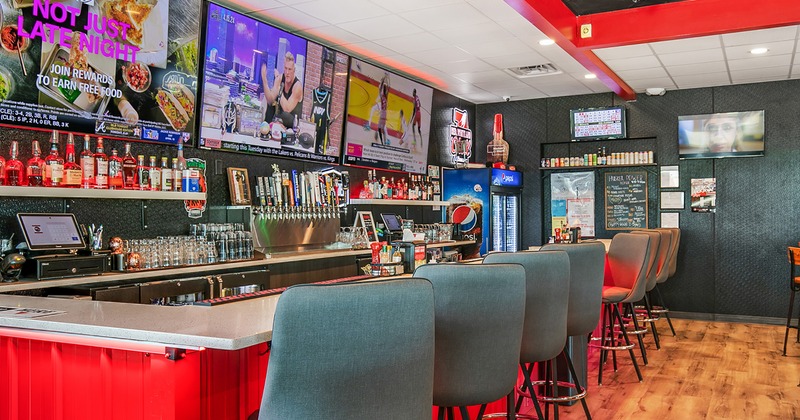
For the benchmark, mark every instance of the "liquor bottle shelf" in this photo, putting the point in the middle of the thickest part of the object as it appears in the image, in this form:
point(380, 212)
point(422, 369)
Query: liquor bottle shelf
point(49, 192)
point(383, 202)
point(557, 168)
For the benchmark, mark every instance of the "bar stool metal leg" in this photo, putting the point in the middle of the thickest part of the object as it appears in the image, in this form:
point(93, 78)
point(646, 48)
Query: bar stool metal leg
point(664, 310)
point(789, 322)
point(616, 312)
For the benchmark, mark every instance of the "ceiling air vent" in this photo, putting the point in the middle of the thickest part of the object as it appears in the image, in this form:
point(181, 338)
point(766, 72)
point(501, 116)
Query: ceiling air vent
point(534, 71)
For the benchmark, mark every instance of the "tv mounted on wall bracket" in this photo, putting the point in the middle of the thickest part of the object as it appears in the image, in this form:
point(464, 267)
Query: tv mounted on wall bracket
point(729, 134)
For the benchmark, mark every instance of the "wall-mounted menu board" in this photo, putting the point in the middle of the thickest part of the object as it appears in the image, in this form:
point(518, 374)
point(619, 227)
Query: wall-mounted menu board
point(116, 68)
point(626, 200)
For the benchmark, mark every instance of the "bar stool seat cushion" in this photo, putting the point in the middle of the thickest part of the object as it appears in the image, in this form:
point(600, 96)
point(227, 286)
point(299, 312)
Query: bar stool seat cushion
point(612, 294)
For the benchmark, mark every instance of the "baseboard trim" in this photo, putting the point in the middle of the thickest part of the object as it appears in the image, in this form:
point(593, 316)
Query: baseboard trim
point(744, 319)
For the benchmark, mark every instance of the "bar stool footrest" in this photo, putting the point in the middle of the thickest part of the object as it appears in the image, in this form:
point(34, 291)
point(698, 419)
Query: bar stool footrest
point(566, 398)
point(613, 348)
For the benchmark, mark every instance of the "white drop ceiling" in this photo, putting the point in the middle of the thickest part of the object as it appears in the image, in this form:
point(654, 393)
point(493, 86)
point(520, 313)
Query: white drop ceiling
point(464, 46)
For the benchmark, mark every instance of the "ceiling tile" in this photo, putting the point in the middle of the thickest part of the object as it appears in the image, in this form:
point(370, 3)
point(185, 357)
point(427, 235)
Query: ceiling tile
point(633, 63)
point(422, 41)
point(446, 17)
point(491, 48)
point(463, 66)
point(409, 5)
point(691, 57)
point(340, 11)
point(699, 68)
point(775, 48)
point(626, 51)
point(796, 71)
point(656, 82)
point(687, 44)
point(565, 90)
point(642, 73)
point(381, 27)
point(507, 84)
point(516, 60)
point(258, 5)
point(496, 10)
point(441, 55)
point(759, 36)
point(482, 97)
point(368, 49)
point(760, 74)
point(332, 35)
point(481, 32)
point(760, 62)
point(523, 29)
point(561, 59)
point(480, 76)
point(290, 17)
point(693, 80)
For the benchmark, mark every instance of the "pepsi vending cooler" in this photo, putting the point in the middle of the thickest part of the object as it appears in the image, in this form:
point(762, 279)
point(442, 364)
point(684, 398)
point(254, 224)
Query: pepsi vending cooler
point(485, 204)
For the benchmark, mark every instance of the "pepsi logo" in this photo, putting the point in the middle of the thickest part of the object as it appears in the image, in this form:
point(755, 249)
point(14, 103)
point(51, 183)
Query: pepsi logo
point(466, 217)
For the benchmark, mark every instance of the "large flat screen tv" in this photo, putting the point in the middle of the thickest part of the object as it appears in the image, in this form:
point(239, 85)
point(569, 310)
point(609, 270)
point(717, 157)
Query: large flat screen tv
point(269, 92)
point(388, 120)
point(598, 123)
point(729, 134)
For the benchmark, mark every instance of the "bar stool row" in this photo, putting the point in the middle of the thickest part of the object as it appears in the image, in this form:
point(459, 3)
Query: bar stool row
point(451, 337)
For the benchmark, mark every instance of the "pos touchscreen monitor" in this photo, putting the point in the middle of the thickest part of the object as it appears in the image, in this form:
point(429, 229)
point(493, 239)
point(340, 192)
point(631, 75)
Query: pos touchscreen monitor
point(392, 222)
point(50, 231)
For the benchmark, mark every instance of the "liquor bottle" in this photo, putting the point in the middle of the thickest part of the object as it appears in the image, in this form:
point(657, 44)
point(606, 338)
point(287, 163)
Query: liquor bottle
point(142, 174)
point(87, 164)
point(35, 170)
point(100, 166)
point(73, 174)
point(15, 170)
point(128, 169)
point(166, 175)
point(2, 170)
point(390, 189)
point(180, 168)
point(115, 178)
point(177, 176)
point(54, 164)
point(429, 188)
point(155, 175)
point(423, 190)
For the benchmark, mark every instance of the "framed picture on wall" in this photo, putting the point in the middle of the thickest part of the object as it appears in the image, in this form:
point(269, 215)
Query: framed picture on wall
point(672, 200)
point(670, 220)
point(670, 177)
point(239, 186)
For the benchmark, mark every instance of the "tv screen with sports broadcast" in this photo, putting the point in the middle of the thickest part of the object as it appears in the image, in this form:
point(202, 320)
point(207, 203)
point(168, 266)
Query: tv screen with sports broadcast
point(729, 134)
point(388, 120)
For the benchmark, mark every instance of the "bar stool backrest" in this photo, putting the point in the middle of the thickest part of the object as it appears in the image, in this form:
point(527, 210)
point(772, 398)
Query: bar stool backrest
point(628, 257)
point(673, 259)
point(587, 266)
point(547, 297)
point(480, 311)
point(664, 253)
point(352, 351)
point(794, 264)
point(652, 263)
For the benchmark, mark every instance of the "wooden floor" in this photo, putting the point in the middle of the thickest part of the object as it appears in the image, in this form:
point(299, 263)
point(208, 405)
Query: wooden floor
point(711, 370)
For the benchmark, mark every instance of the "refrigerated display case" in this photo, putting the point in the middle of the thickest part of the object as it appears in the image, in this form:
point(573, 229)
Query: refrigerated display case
point(470, 191)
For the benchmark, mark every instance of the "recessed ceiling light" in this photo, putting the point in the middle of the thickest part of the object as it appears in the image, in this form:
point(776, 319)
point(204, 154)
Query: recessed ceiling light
point(759, 50)
point(546, 41)
point(590, 76)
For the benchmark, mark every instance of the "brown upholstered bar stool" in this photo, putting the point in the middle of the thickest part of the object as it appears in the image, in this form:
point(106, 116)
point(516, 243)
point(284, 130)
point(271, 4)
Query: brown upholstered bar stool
point(661, 308)
point(794, 286)
point(480, 312)
point(627, 259)
point(356, 351)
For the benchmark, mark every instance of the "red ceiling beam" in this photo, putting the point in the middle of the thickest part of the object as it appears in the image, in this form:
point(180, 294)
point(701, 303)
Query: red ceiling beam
point(558, 23)
point(684, 19)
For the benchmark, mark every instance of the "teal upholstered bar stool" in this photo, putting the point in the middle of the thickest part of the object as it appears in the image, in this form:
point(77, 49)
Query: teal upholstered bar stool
point(479, 317)
point(545, 330)
point(360, 351)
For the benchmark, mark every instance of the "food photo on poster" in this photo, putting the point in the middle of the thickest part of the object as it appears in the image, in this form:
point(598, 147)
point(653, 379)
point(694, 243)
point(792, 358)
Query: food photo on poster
point(266, 91)
point(388, 120)
point(116, 68)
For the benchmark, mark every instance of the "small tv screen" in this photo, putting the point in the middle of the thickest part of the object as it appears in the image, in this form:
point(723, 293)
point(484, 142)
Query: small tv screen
point(598, 123)
point(388, 120)
point(729, 134)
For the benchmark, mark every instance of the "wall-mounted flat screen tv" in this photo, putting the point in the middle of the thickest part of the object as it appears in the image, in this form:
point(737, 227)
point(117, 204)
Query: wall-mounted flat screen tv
point(269, 92)
point(598, 123)
point(388, 120)
point(729, 134)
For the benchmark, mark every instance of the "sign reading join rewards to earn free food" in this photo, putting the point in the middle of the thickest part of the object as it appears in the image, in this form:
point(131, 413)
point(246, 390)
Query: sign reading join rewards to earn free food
point(114, 68)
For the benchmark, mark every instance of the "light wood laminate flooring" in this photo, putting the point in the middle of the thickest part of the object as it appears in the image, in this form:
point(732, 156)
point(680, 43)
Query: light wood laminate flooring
point(711, 370)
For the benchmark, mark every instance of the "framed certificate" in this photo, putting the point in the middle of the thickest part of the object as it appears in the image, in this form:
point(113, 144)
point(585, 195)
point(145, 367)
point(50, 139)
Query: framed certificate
point(672, 200)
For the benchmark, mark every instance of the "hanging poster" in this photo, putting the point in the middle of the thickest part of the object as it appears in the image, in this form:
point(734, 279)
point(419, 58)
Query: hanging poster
point(572, 201)
point(704, 195)
point(118, 68)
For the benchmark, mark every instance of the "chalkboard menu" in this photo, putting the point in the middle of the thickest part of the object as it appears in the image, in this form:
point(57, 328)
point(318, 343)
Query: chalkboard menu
point(626, 200)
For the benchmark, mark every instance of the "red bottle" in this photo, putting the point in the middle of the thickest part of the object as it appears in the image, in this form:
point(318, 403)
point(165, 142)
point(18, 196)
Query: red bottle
point(100, 166)
point(73, 174)
point(115, 178)
point(128, 169)
point(35, 170)
point(2, 170)
point(15, 170)
point(54, 164)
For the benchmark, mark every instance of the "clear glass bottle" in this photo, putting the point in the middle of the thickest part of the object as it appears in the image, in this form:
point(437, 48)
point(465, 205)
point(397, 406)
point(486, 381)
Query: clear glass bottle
point(128, 169)
point(15, 170)
point(180, 168)
point(166, 175)
point(100, 166)
point(87, 164)
point(155, 175)
point(177, 176)
point(142, 174)
point(54, 164)
point(35, 171)
point(115, 171)
point(72, 171)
